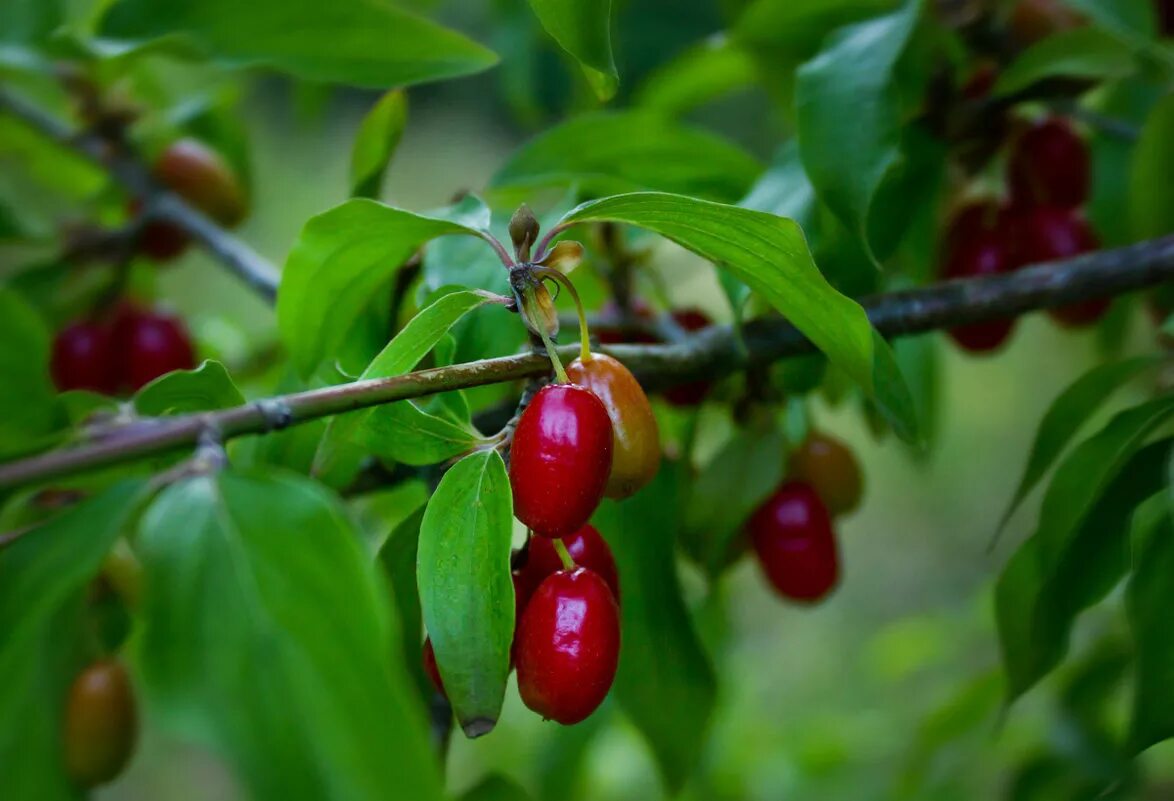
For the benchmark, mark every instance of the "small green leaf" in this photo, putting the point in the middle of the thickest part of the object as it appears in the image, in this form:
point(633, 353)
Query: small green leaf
point(849, 114)
point(704, 72)
point(340, 258)
point(203, 389)
point(1066, 415)
point(795, 28)
point(496, 787)
point(610, 152)
point(1151, 186)
point(1147, 603)
point(46, 573)
point(583, 29)
point(402, 430)
point(398, 558)
point(770, 255)
point(666, 683)
point(266, 573)
point(376, 141)
point(1079, 53)
point(466, 593)
point(375, 45)
point(28, 405)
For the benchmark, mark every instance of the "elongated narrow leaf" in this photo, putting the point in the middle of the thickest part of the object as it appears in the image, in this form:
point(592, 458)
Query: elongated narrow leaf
point(1065, 417)
point(1080, 53)
point(267, 635)
point(203, 389)
point(849, 113)
point(665, 683)
point(795, 28)
point(43, 580)
point(340, 258)
point(466, 593)
point(376, 45)
point(1148, 605)
point(609, 152)
point(401, 430)
point(28, 408)
point(1132, 19)
point(709, 70)
point(583, 29)
point(1151, 183)
point(770, 255)
point(375, 144)
point(398, 558)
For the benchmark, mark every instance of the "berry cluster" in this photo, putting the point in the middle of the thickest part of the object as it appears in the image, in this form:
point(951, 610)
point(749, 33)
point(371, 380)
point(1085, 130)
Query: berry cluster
point(1048, 182)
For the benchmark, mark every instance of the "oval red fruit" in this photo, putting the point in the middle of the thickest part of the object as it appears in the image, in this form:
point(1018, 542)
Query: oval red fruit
point(150, 344)
point(1049, 165)
point(83, 358)
point(568, 646)
point(984, 252)
point(793, 539)
point(1049, 233)
point(560, 459)
point(586, 546)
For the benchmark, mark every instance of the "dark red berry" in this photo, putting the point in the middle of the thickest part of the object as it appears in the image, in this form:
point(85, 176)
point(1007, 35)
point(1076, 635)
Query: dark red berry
point(587, 548)
point(568, 646)
point(1049, 166)
point(150, 344)
point(611, 335)
point(793, 539)
point(1047, 234)
point(981, 253)
point(101, 724)
point(560, 459)
point(83, 358)
point(695, 392)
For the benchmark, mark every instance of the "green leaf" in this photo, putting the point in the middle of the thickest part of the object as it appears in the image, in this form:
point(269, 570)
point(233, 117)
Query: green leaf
point(398, 558)
point(582, 28)
point(1079, 53)
point(353, 42)
point(666, 683)
point(784, 189)
point(29, 21)
point(466, 593)
point(1132, 19)
point(1078, 550)
point(46, 573)
point(770, 255)
point(1147, 602)
point(340, 258)
point(28, 403)
point(375, 144)
point(1151, 186)
point(402, 430)
point(1066, 415)
point(265, 573)
point(203, 389)
point(496, 787)
point(611, 152)
point(795, 28)
point(705, 72)
point(849, 114)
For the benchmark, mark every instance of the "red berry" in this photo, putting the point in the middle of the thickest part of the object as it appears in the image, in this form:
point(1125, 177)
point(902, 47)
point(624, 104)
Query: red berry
point(792, 536)
point(159, 240)
point(428, 656)
point(693, 393)
point(1047, 234)
point(1049, 165)
point(568, 646)
point(150, 344)
point(83, 358)
point(560, 460)
point(586, 546)
point(101, 724)
point(981, 253)
point(608, 335)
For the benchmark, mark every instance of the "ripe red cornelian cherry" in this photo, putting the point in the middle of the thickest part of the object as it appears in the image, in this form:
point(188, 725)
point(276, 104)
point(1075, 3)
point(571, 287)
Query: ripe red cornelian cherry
point(159, 240)
point(560, 459)
point(568, 646)
point(101, 724)
point(1048, 233)
point(587, 548)
point(793, 539)
point(693, 393)
point(148, 344)
point(1049, 166)
point(83, 358)
point(984, 252)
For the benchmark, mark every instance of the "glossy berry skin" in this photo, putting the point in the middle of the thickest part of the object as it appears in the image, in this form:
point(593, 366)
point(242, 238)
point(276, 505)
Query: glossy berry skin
point(1049, 166)
point(560, 460)
point(149, 344)
point(200, 176)
point(101, 724)
point(83, 358)
point(635, 454)
point(568, 646)
point(981, 253)
point(829, 467)
point(587, 548)
point(1048, 233)
point(694, 393)
point(793, 540)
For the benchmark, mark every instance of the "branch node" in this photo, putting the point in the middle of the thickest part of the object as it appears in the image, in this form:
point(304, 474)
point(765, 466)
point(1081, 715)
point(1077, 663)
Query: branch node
point(275, 414)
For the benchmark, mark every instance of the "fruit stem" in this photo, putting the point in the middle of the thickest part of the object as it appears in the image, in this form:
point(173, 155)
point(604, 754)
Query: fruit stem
point(564, 554)
point(584, 333)
point(560, 374)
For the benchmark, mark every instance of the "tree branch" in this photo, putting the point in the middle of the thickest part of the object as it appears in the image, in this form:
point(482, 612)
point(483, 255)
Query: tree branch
point(129, 172)
point(709, 354)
